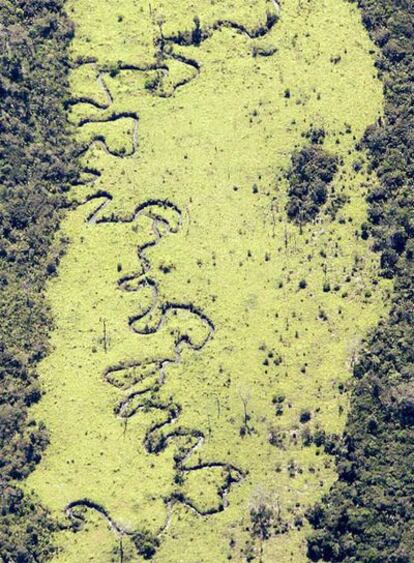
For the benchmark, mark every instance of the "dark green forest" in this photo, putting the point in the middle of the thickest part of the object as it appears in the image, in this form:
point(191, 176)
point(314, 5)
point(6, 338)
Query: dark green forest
point(368, 516)
point(312, 170)
point(36, 168)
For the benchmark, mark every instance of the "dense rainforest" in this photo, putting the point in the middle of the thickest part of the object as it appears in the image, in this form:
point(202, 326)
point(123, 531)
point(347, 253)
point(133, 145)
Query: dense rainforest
point(36, 167)
point(368, 515)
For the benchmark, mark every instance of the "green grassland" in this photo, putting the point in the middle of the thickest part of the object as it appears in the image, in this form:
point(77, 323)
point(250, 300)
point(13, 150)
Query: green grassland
point(179, 297)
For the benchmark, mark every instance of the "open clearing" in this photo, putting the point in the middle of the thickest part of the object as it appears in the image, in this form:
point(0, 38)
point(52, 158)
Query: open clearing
point(179, 313)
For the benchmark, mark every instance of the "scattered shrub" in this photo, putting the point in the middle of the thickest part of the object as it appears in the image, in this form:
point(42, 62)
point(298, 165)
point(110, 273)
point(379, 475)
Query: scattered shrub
point(146, 544)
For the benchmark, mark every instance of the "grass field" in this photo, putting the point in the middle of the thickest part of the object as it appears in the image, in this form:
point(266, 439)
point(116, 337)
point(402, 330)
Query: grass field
point(178, 310)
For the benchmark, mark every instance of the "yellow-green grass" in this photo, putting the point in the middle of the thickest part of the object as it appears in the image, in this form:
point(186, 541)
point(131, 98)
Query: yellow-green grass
point(217, 147)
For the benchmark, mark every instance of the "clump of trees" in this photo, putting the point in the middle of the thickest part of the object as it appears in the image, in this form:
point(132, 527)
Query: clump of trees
point(37, 165)
point(311, 172)
point(369, 513)
point(146, 544)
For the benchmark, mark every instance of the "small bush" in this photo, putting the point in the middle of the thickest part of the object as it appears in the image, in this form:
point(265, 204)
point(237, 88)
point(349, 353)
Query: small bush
point(305, 416)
